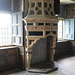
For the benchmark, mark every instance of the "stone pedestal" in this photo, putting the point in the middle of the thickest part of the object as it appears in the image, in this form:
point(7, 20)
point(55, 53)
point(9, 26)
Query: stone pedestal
point(46, 68)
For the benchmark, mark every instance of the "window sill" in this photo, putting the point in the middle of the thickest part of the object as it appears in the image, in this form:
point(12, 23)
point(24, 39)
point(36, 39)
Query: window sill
point(8, 47)
point(62, 40)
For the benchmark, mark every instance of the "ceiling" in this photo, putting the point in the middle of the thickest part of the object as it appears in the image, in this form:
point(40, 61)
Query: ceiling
point(67, 1)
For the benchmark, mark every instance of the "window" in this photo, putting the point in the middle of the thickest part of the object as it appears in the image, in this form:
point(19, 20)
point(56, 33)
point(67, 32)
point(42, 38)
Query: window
point(5, 29)
point(17, 28)
point(66, 29)
point(69, 29)
point(60, 30)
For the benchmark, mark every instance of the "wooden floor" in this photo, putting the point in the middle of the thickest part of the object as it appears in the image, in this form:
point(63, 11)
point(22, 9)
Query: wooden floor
point(66, 67)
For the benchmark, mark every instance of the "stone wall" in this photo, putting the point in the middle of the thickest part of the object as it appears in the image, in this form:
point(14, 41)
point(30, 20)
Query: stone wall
point(5, 5)
point(17, 5)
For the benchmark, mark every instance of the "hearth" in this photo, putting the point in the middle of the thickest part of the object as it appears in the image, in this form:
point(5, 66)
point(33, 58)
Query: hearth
point(40, 39)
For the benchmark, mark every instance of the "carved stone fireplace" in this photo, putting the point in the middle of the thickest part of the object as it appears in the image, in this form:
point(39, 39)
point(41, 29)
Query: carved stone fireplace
point(41, 32)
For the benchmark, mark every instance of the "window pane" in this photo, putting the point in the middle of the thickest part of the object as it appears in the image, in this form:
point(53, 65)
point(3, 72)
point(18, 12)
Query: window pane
point(5, 29)
point(60, 30)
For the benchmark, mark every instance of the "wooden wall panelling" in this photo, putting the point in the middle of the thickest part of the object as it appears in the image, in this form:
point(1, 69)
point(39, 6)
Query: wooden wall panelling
point(8, 58)
point(73, 46)
point(70, 11)
point(12, 57)
point(3, 63)
point(63, 49)
point(21, 56)
point(62, 11)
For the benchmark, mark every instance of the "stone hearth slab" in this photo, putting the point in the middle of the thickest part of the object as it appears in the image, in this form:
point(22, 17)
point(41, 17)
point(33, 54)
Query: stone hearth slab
point(43, 70)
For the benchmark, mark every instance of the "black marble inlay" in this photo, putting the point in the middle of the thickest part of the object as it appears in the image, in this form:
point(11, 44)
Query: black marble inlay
point(55, 24)
point(54, 32)
point(31, 12)
point(30, 41)
point(51, 13)
point(45, 5)
point(36, 8)
point(48, 9)
point(39, 12)
point(32, 5)
point(35, 33)
point(50, 5)
point(39, 4)
point(40, 23)
point(46, 12)
point(47, 32)
point(29, 23)
point(48, 24)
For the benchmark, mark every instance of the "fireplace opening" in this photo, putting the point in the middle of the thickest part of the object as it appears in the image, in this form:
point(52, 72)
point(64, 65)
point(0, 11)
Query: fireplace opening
point(41, 53)
point(35, 33)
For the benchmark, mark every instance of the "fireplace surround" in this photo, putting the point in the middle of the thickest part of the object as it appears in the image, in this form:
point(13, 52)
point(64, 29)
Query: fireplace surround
point(40, 39)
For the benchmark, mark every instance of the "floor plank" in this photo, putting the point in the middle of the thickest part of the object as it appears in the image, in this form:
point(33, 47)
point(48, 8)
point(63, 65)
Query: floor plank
point(66, 66)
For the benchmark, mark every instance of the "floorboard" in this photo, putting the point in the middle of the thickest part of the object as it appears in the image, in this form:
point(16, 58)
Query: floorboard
point(66, 66)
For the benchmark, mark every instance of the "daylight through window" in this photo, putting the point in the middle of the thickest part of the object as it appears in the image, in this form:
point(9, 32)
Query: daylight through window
point(5, 29)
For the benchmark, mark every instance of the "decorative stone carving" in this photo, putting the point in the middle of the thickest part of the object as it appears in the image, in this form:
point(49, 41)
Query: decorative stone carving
point(40, 23)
